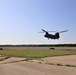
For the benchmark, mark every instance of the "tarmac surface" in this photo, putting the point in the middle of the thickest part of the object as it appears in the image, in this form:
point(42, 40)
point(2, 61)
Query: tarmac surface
point(11, 66)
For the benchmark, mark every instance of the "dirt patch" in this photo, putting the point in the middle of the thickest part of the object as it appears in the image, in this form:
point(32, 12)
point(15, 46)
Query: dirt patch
point(69, 60)
point(38, 67)
point(30, 68)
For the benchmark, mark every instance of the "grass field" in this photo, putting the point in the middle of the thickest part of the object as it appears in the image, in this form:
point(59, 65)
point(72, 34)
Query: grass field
point(34, 53)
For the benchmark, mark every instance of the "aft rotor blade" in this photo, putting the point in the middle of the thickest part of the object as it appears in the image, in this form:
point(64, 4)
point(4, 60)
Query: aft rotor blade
point(63, 31)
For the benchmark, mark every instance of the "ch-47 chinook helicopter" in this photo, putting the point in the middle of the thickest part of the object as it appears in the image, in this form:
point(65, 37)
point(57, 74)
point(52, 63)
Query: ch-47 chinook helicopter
point(52, 36)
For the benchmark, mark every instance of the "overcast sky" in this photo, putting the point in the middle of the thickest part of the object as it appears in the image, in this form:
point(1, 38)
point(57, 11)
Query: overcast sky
point(21, 20)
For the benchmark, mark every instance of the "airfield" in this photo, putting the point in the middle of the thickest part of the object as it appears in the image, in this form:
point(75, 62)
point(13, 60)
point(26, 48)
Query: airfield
point(64, 64)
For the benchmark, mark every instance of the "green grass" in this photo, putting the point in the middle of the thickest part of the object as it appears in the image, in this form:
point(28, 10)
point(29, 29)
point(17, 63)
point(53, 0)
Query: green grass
point(34, 53)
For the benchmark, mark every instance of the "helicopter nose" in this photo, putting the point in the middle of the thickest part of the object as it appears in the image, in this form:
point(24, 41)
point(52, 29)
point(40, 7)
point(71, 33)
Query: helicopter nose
point(45, 36)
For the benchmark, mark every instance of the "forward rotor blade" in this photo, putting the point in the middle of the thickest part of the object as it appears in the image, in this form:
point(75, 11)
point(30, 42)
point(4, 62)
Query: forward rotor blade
point(48, 31)
point(51, 31)
point(44, 30)
point(41, 32)
point(63, 31)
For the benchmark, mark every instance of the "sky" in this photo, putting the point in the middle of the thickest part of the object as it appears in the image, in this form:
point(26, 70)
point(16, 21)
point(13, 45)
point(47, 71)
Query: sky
point(22, 20)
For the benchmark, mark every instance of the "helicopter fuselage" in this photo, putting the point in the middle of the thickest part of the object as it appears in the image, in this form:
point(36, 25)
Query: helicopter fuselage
point(52, 36)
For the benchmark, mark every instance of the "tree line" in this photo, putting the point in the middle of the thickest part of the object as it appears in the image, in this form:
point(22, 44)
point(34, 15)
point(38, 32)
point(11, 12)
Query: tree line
point(41, 45)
